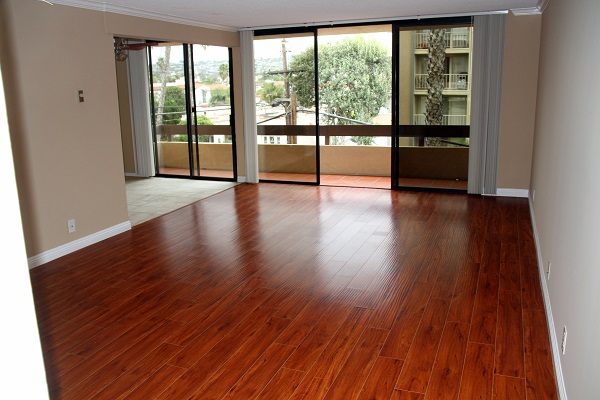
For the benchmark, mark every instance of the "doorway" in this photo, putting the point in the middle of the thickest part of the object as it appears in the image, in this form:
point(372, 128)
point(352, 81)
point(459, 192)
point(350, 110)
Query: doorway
point(191, 111)
point(433, 73)
point(357, 105)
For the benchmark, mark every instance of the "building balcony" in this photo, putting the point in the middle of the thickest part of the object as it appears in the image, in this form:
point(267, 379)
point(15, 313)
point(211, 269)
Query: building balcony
point(419, 119)
point(454, 40)
point(458, 82)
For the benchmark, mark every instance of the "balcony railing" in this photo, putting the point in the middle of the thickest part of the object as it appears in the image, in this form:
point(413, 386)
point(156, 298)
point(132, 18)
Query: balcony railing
point(417, 161)
point(451, 81)
point(419, 119)
point(454, 40)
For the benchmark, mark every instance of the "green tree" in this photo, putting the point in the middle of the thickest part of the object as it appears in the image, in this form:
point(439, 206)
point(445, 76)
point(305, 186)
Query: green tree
point(219, 96)
point(363, 140)
point(200, 120)
point(173, 106)
point(354, 79)
point(271, 91)
point(223, 72)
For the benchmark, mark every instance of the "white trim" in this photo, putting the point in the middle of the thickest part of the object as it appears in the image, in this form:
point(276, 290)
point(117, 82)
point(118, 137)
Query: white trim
point(241, 179)
point(519, 12)
point(78, 244)
point(537, 10)
point(512, 192)
point(555, 348)
point(134, 12)
point(486, 96)
point(374, 20)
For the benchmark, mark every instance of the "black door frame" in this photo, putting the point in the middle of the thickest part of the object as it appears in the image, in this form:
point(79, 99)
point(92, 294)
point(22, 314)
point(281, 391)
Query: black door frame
point(192, 126)
point(397, 130)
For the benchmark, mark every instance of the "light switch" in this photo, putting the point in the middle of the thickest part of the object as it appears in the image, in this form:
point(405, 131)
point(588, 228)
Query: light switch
point(80, 93)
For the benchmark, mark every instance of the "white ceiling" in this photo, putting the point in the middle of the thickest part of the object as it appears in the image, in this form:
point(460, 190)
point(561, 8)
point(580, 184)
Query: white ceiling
point(249, 14)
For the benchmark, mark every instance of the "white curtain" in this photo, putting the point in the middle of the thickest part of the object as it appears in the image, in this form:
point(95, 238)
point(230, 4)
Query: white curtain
point(140, 109)
point(488, 53)
point(249, 101)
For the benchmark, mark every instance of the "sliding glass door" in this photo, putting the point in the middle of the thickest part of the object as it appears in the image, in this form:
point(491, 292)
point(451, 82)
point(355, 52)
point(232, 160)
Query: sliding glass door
point(433, 102)
point(192, 111)
point(286, 111)
point(355, 96)
point(381, 105)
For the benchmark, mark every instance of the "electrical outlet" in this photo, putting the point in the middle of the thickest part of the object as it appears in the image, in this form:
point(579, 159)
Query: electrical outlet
point(533, 196)
point(563, 346)
point(548, 270)
point(71, 225)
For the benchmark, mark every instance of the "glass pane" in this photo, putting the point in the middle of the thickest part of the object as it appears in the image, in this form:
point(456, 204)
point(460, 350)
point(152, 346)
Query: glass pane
point(355, 92)
point(168, 93)
point(213, 152)
point(285, 107)
point(209, 150)
point(434, 106)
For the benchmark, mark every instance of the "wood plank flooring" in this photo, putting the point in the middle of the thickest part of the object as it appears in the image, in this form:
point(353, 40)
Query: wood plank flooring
point(274, 291)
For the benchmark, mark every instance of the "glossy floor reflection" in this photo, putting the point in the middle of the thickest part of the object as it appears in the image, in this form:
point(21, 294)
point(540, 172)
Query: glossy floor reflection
point(278, 291)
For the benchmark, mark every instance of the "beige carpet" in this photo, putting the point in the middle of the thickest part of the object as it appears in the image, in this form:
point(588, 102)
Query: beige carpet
point(149, 198)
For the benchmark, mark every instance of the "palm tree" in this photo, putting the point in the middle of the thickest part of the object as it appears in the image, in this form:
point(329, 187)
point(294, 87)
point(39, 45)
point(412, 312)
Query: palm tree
point(223, 72)
point(435, 81)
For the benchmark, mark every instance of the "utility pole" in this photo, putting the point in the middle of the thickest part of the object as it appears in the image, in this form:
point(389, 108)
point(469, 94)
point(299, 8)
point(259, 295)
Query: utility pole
point(290, 116)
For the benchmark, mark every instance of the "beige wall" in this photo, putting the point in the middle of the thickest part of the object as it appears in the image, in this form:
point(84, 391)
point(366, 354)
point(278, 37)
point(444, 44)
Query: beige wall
point(565, 178)
point(142, 28)
point(69, 155)
point(519, 95)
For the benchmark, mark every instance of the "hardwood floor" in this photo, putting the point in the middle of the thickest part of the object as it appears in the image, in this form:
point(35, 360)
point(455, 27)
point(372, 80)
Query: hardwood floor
point(299, 292)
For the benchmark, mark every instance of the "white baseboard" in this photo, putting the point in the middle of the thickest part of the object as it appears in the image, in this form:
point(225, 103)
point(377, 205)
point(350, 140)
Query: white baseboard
point(241, 179)
point(512, 192)
point(78, 244)
point(555, 347)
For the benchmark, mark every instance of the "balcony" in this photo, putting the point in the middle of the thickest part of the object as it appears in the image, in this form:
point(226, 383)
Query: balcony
point(431, 163)
point(454, 40)
point(451, 82)
point(419, 119)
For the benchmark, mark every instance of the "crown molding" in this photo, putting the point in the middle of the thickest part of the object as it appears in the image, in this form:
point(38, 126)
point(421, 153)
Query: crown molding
point(134, 12)
point(373, 20)
point(537, 10)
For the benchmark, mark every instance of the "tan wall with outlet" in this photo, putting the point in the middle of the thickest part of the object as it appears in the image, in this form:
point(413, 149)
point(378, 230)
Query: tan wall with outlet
point(69, 155)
